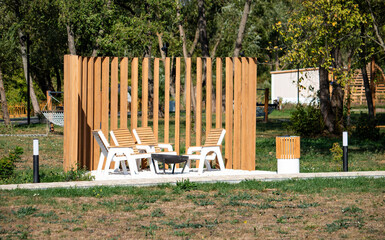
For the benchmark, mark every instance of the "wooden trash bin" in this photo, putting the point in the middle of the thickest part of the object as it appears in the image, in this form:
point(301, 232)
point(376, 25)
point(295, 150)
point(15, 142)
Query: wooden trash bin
point(288, 154)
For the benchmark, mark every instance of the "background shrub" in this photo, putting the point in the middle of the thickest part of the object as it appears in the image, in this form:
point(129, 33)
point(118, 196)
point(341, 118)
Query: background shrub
point(7, 163)
point(366, 128)
point(306, 121)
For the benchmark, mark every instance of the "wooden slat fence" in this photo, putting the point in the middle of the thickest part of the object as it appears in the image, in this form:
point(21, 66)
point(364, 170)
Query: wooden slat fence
point(95, 97)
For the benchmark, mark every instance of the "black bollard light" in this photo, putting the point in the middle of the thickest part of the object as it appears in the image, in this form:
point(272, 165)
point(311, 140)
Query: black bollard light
point(345, 151)
point(36, 178)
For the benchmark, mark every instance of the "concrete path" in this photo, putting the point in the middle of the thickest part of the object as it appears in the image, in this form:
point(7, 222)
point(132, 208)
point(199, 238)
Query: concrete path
point(229, 176)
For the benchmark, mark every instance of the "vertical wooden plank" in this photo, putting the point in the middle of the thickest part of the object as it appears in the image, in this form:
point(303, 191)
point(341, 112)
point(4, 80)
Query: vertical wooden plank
point(67, 111)
point(177, 104)
point(252, 105)
point(237, 113)
point(198, 121)
point(105, 95)
point(114, 93)
point(156, 98)
point(74, 134)
point(229, 113)
point(90, 110)
point(123, 92)
point(188, 103)
point(145, 92)
point(218, 98)
point(245, 143)
point(167, 101)
point(97, 108)
point(134, 93)
point(85, 130)
point(209, 86)
point(78, 117)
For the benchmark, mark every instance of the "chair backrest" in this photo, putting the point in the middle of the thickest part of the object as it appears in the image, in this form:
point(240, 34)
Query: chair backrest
point(215, 137)
point(122, 137)
point(102, 141)
point(145, 135)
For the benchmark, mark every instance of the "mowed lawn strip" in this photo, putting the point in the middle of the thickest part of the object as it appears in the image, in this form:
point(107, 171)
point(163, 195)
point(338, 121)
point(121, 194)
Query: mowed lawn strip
point(313, 208)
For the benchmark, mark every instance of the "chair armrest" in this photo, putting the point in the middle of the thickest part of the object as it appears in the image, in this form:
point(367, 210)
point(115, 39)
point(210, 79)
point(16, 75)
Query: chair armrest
point(143, 147)
point(167, 146)
point(209, 146)
point(192, 149)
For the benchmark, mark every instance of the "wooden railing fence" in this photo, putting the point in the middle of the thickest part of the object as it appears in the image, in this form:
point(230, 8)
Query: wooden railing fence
point(95, 97)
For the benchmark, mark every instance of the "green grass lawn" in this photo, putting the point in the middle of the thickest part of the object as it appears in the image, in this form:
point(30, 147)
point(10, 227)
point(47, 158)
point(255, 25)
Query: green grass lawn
point(315, 152)
point(294, 209)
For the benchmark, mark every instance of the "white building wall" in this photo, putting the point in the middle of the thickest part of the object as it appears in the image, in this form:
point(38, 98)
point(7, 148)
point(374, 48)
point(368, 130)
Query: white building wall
point(284, 85)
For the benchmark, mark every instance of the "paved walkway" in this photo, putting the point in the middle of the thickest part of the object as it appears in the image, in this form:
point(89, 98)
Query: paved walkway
point(230, 176)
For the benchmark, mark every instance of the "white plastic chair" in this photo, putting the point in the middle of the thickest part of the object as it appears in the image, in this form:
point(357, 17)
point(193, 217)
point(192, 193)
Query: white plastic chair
point(209, 151)
point(147, 142)
point(123, 138)
point(117, 154)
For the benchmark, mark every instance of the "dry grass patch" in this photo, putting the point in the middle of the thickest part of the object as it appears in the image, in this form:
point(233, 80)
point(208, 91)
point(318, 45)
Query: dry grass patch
point(218, 211)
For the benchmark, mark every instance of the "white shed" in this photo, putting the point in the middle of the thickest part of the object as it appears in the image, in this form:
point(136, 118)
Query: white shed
point(284, 85)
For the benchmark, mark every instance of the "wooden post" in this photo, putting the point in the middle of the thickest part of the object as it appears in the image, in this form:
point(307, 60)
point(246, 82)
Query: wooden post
point(229, 114)
point(218, 99)
point(198, 121)
point(156, 98)
point(90, 111)
point(188, 103)
point(266, 107)
point(134, 93)
point(97, 109)
point(145, 92)
point(72, 117)
point(252, 105)
point(105, 96)
point(245, 128)
point(167, 101)
point(208, 95)
point(123, 92)
point(114, 93)
point(83, 122)
point(177, 105)
point(237, 113)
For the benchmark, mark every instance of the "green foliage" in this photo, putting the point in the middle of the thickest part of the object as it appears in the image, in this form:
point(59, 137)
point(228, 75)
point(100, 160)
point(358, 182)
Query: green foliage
point(25, 211)
point(48, 175)
point(337, 152)
point(306, 121)
point(366, 128)
point(7, 163)
point(185, 185)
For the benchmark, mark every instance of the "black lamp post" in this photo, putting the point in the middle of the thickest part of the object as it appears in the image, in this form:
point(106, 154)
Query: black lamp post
point(27, 41)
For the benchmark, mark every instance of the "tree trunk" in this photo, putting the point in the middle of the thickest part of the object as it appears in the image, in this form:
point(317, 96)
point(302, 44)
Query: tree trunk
point(187, 55)
point(71, 39)
point(23, 49)
point(325, 103)
point(202, 25)
point(3, 99)
point(365, 77)
point(58, 79)
point(337, 103)
point(241, 29)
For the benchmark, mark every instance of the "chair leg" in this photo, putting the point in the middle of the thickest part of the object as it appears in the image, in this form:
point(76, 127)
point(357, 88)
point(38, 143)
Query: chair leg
point(201, 164)
point(220, 160)
point(124, 167)
point(100, 164)
point(108, 162)
point(132, 166)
